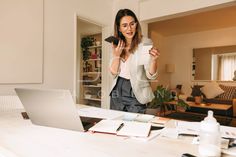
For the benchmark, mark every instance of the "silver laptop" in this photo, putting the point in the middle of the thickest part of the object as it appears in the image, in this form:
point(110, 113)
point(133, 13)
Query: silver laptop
point(52, 108)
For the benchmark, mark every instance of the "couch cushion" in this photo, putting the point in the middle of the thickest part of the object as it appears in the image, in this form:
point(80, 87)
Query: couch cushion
point(229, 92)
point(211, 90)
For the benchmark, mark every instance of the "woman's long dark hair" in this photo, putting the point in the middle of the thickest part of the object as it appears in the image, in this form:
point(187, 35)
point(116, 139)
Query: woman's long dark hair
point(138, 35)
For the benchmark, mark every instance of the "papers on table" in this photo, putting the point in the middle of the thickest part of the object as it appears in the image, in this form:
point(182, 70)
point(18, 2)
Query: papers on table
point(193, 128)
point(129, 116)
point(170, 133)
point(224, 142)
point(137, 117)
point(188, 128)
point(153, 134)
point(160, 121)
point(96, 112)
point(144, 118)
point(135, 129)
point(112, 114)
point(182, 127)
point(106, 126)
point(228, 132)
point(122, 128)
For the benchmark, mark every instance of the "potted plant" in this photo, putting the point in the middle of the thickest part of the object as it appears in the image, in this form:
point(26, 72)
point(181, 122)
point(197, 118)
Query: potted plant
point(197, 94)
point(85, 43)
point(163, 95)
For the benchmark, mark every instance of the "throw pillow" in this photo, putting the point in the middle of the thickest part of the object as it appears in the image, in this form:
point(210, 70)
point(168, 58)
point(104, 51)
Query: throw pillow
point(229, 92)
point(211, 90)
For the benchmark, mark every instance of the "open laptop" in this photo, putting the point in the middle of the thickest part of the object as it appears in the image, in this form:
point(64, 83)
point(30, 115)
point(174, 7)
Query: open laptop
point(53, 108)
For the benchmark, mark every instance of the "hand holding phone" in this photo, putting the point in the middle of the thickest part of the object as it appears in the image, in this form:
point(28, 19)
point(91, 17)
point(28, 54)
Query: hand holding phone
point(112, 39)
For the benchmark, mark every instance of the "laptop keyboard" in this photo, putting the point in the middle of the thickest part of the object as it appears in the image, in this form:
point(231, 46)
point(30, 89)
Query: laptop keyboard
point(88, 122)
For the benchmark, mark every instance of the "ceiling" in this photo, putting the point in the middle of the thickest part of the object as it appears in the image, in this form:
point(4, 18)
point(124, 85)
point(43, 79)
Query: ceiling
point(216, 19)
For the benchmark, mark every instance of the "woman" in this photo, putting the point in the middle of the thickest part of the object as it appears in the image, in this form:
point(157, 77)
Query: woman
point(131, 89)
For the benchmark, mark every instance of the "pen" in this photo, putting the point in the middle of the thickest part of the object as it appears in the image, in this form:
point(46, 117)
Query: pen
point(121, 125)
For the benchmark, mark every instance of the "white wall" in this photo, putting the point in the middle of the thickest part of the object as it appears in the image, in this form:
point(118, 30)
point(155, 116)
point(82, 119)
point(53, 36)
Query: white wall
point(23, 62)
point(178, 50)
point(58, 41)
point(161, 9)
point(129, 4)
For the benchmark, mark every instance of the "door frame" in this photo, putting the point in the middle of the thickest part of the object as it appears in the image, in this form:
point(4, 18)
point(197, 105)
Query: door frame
point(76, 51)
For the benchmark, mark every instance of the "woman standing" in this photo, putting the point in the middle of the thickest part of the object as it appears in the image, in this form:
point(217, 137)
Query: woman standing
point(131, 89)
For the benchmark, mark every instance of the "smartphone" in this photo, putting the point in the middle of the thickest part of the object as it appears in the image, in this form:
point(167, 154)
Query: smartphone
point(112, 39)
point(187, 155)
point(24, 115)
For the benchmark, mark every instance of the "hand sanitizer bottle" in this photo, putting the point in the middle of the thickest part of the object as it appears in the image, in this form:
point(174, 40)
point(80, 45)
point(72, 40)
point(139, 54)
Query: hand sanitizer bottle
point(210, 138)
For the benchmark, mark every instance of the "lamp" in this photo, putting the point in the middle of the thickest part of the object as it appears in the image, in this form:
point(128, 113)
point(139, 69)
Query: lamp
point(170, 68)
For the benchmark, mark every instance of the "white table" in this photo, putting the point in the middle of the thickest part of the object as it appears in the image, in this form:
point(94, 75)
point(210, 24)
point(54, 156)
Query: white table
point(24, 139)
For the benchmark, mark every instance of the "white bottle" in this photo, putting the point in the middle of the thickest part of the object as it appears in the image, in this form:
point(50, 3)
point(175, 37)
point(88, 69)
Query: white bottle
point(210, 138)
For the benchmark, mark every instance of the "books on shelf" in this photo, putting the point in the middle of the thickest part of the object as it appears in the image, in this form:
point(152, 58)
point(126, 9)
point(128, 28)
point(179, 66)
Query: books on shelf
point(122, 128)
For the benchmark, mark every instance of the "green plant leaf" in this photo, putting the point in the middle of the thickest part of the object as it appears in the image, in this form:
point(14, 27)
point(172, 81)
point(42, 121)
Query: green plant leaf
point(85, 43)
point(164, 95)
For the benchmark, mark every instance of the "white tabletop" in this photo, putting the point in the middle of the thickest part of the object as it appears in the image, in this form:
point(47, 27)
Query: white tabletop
point(23, 139)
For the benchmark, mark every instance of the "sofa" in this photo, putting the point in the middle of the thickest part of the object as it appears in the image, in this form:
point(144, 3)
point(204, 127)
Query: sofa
point(219, 94)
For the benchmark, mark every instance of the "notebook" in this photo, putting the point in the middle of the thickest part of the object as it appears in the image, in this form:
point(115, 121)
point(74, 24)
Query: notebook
point(160, 121)
point(122, 128)
point(53, 108)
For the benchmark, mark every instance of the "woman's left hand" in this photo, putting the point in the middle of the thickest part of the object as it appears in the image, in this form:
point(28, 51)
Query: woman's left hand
point(155, 53)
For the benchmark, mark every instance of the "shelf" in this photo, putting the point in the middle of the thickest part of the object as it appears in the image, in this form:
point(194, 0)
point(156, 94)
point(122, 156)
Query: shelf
point(92, 86)
point(91, 73)
point(94, 99)
point(97, 59)
point(93, 47)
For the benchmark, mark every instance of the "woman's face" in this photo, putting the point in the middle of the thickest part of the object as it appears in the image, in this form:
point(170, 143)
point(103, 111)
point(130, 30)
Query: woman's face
point(128, 27)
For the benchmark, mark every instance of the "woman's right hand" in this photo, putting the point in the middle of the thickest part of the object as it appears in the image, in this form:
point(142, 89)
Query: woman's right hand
point(117, 50)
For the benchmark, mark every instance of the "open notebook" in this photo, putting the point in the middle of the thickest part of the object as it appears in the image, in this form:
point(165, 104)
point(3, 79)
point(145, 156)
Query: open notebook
point(122, 128)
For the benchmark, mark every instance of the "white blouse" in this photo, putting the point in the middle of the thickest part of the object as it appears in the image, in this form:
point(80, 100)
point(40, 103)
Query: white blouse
point(124, 69)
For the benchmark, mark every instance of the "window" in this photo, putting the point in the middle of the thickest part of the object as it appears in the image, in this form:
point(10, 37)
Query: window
point(226, 66)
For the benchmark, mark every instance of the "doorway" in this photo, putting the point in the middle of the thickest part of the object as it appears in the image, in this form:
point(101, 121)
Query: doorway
point(87, 92)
